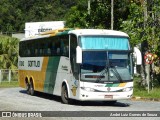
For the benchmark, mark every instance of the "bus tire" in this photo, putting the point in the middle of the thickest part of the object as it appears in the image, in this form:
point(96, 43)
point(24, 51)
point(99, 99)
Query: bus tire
point(110, 102)
point(31, 89)
point(27, 88)
point(64, 95)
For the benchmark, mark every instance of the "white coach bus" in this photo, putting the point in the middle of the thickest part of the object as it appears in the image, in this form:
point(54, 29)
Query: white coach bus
point(78, 64)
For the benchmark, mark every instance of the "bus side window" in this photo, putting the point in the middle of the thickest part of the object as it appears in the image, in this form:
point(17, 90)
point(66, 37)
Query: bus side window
point(49, 51)
point(40, 52)
point(36, 52)
point(28, 52)
point(58, 51)
point(36, 47)
point(53, 51)
point(22, 51)
point(32, 49)
point(66, 46)
point(45, 49)
point(58, 47)
point(64, 51)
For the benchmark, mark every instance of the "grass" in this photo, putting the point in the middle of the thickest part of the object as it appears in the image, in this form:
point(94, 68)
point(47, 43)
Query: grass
point(155, 93)
point(142, 92)
point(9, 84)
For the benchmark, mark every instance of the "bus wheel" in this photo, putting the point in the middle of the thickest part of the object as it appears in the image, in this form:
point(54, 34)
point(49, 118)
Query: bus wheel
point(64, 95)
point(31, 89)
point(110, 102)
point(27, 88)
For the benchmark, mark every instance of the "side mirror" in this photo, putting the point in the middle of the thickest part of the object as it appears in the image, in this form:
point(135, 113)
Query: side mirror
point(78, 55)
point(138, 56)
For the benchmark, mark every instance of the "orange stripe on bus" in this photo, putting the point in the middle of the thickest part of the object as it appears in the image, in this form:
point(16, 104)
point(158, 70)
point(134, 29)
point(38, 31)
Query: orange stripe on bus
point(122, 84)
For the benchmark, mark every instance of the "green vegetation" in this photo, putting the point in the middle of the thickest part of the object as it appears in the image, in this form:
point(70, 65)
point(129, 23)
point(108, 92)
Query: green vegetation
point(9, 84)
point(140, 91)
point(8, 52)
point(15, 13)
point(100, 14)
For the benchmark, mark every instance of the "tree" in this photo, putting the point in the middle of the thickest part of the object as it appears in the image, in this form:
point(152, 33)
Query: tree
point(15, 13)
point(99, 16)
point(143, 27)
point(8, 52)
point(77, 15)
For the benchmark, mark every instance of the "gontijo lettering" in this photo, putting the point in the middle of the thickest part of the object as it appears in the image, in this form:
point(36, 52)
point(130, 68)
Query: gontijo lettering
point(33, 63)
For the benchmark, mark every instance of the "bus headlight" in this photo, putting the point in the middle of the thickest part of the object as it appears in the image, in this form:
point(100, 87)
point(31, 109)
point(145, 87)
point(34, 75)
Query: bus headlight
point(127, 89)
point(88, 89)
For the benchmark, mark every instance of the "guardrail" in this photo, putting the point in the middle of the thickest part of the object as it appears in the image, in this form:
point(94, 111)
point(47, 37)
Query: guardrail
point(7, 75)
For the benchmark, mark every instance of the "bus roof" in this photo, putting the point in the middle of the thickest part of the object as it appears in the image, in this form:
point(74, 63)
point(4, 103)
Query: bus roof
point(63, 31)
point(97, 32)
point(77, 32)
point(34, 37)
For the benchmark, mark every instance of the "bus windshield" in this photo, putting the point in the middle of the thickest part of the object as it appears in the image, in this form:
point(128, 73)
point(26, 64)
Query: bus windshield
point(106, 66)
point(105, 59)
point(104, 43)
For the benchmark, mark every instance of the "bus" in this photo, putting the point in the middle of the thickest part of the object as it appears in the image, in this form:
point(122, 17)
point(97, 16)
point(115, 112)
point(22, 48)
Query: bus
point(77, 64)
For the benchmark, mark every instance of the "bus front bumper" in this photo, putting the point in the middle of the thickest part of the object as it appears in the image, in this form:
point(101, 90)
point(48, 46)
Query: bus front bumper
point(104, 96)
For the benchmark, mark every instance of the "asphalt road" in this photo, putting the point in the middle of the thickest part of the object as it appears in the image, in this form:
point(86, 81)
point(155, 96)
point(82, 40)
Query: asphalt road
point(16, 99)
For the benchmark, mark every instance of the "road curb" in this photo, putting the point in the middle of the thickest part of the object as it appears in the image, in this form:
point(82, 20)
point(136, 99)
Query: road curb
point(145, 99)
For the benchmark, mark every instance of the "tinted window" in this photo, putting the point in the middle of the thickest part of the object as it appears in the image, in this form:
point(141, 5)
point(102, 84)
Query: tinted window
point(54, 46)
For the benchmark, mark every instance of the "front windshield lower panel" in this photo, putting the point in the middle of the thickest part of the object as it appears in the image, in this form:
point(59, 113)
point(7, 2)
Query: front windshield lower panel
point(106, 66)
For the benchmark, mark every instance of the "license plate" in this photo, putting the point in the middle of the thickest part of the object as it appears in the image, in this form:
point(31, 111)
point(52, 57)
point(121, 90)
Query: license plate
point(108, 96)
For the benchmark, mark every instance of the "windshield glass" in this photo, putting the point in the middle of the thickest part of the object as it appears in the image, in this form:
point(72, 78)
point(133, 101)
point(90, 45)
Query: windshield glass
point(106, 66)
point(104, 43)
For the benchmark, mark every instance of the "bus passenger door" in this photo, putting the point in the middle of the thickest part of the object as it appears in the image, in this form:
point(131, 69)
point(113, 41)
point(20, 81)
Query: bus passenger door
point(74, 80)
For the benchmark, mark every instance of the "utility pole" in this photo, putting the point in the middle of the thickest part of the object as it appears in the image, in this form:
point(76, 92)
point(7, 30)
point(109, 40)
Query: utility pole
point(147, 66)
point(112, 16)
point(89, 7)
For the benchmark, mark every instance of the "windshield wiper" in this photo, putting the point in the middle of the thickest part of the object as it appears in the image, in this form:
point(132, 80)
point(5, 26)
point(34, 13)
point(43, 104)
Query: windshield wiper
point(102, 73)
point(114, 70)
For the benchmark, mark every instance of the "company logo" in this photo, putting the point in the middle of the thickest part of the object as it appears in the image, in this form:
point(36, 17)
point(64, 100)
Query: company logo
point(99, 85)
point(42, 28)
point(108, 89)
point(6, 114)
